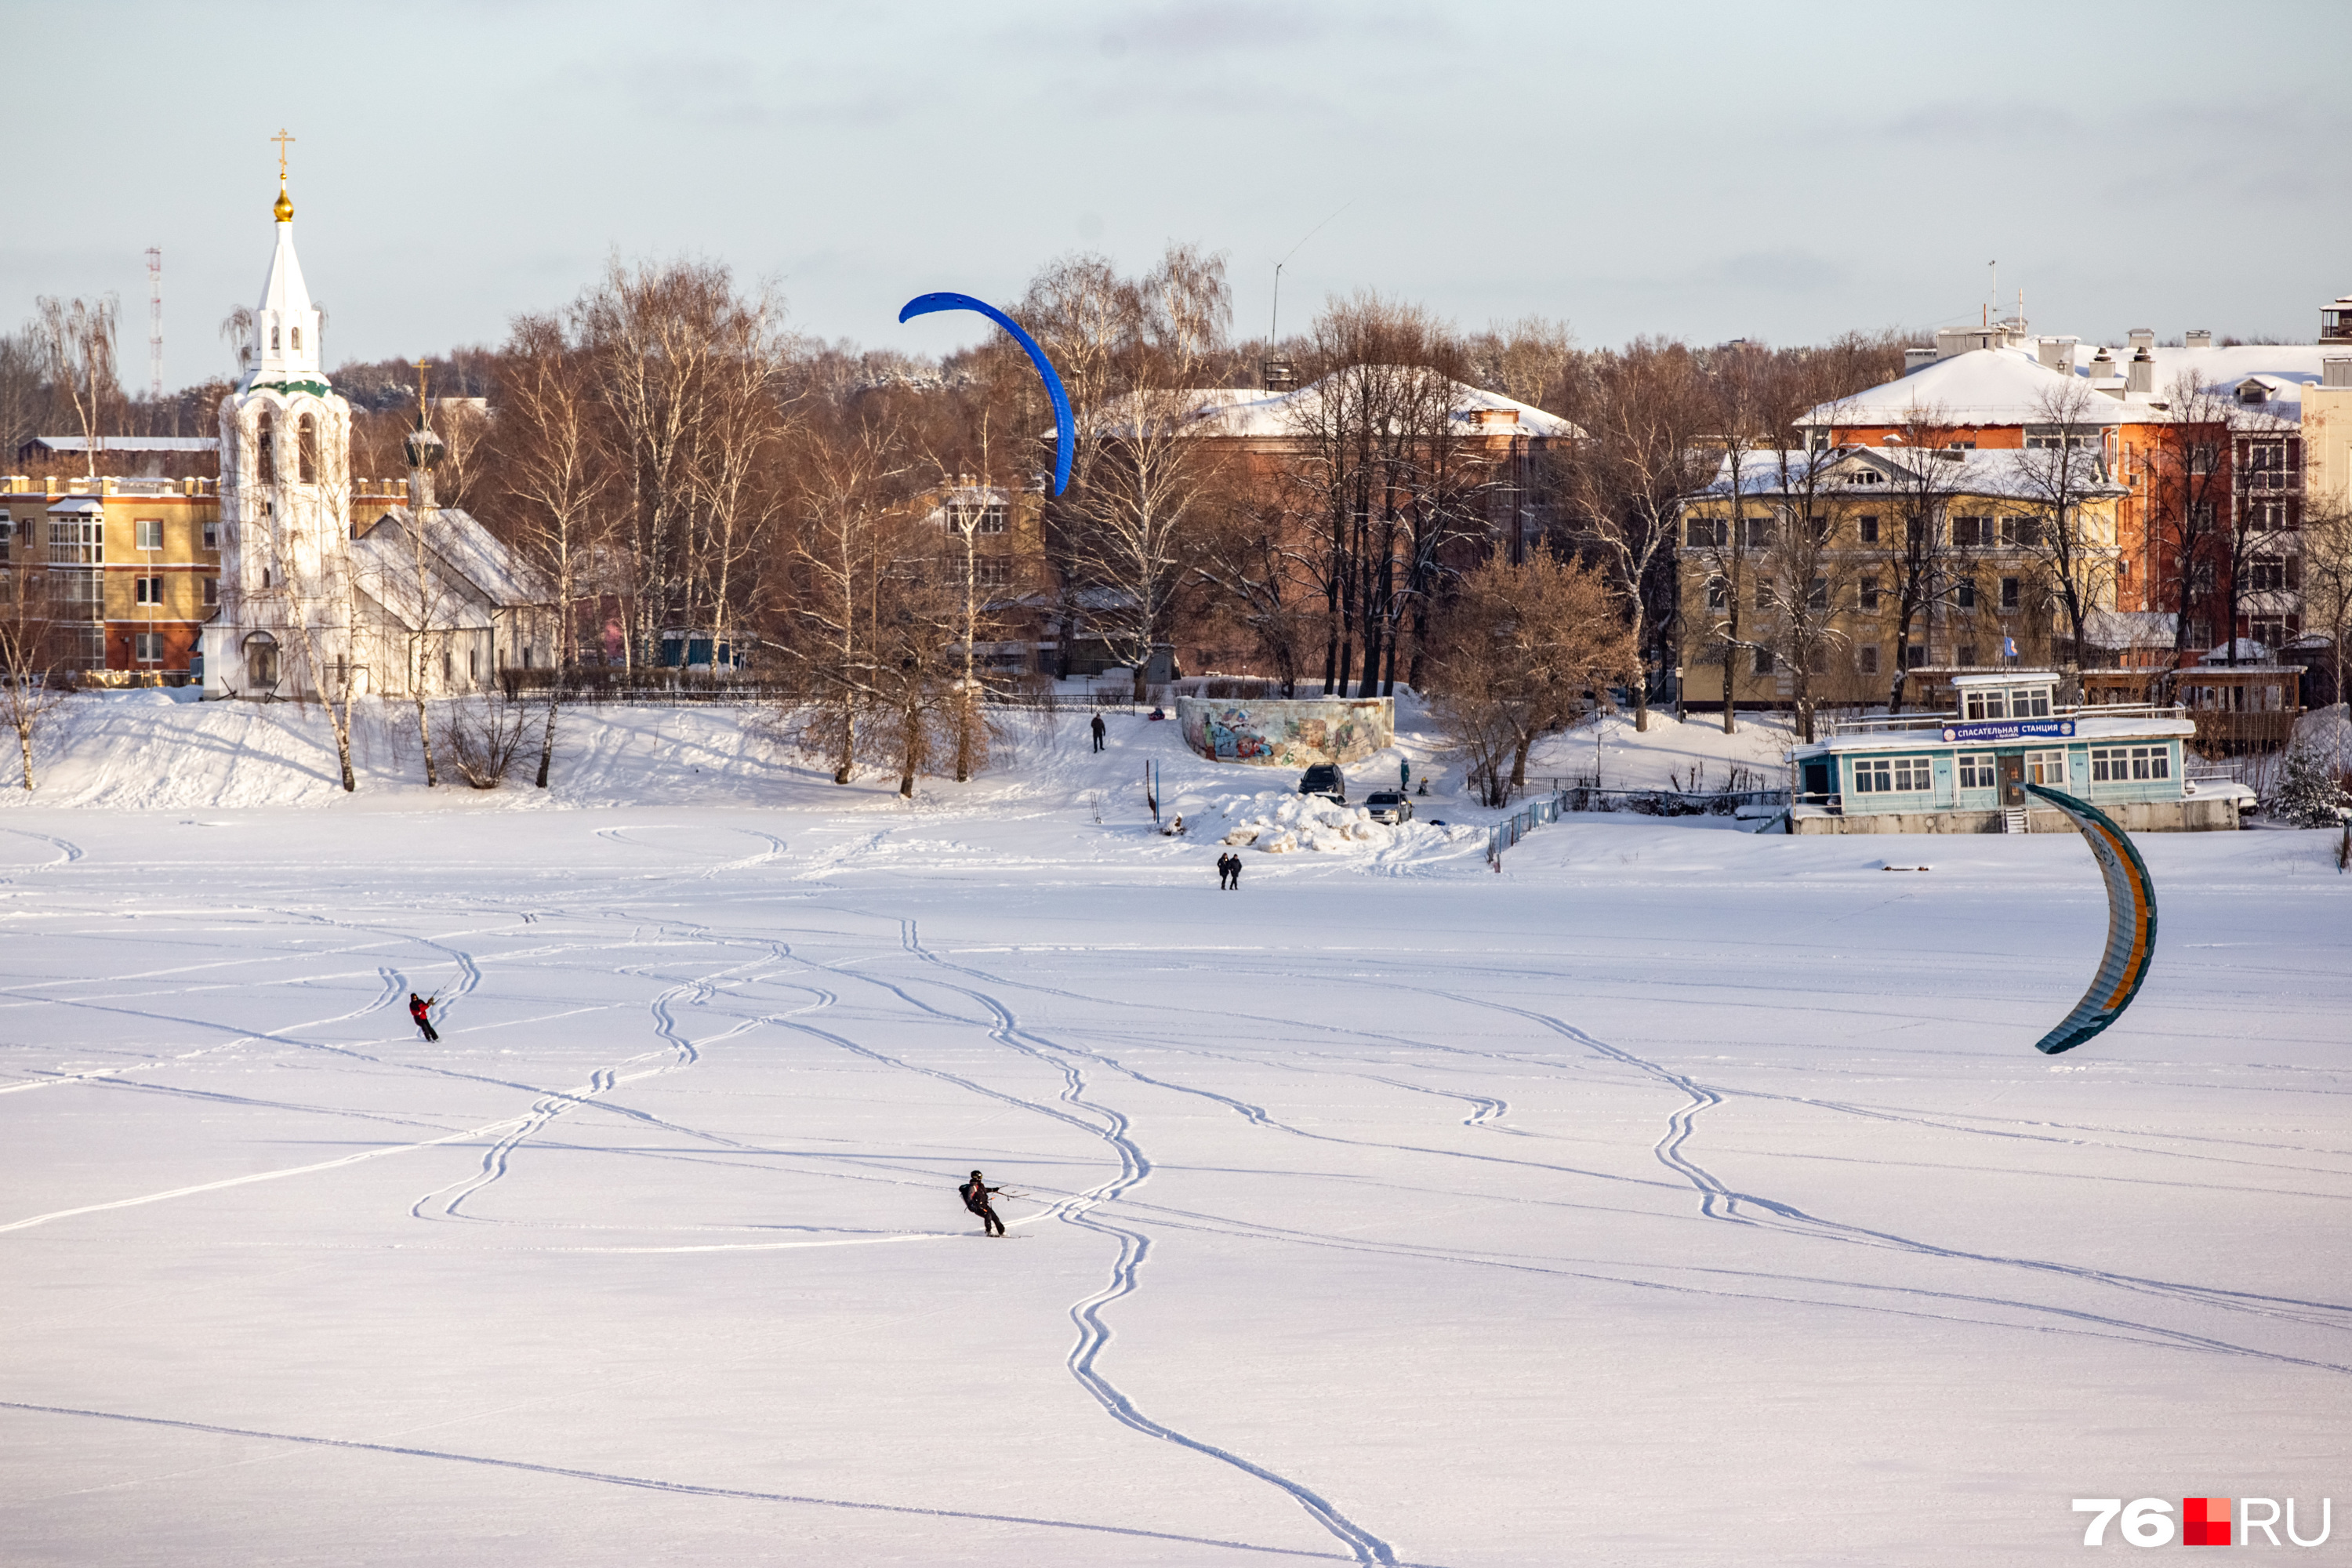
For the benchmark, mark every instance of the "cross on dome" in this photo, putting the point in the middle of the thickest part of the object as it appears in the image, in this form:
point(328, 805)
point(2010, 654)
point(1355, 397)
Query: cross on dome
point(284, 207)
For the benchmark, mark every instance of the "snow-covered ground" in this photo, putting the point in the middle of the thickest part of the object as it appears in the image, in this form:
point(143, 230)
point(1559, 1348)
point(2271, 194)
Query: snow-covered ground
point(1675, 1196)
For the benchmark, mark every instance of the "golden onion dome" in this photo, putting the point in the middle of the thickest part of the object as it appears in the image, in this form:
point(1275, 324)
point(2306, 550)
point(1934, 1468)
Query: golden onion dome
point(285, 207)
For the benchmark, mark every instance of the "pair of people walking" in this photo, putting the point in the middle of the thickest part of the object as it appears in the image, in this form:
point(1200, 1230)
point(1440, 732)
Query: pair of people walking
point(1229, 871)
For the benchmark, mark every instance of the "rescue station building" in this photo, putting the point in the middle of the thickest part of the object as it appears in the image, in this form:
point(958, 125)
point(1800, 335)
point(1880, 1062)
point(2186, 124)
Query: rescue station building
point(1965, 771)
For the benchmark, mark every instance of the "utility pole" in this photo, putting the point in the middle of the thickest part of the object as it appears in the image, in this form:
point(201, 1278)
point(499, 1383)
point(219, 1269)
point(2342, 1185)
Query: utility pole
point(154, 321)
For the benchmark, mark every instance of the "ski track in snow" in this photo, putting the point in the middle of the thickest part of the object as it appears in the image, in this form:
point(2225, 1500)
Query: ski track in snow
point(694, 979)
point(1125, 1273)
point(1720, 1202)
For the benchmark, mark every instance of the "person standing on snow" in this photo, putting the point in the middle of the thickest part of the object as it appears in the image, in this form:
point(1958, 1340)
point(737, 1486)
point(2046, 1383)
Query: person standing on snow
point(1234, 870)
point(418, 1009)
point(975, 1198)
point(1098, 728)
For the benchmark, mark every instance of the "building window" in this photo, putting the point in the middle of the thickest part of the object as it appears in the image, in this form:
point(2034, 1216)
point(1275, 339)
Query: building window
point(297, 340)
point(1757, 532)
point(2266, 573)
point(150, 590)
point(2020, 532)
point(1718, 594)
point(212, 536)
point(1870, 593)
point(273, 338)
point(991, 572)
point(1893, 775)
point(151, 532)
point(211, 590)
point(1706, 532)
point(147, 648)
point(1870, 528)
point(305, 448)
point(2009, 593)
point(76, 543)
point(1763, 592)
point(1865, 658)
point(1967, 533)
point(1763, 661)
point(2046, 768)
point(1976, 770)
point(1966, 653)
point(989, 519)
point(2128, 764)
point(1915, 656)
point(2012, 702)
point(1817, 596)
point(1967, 596)
point(265, 448)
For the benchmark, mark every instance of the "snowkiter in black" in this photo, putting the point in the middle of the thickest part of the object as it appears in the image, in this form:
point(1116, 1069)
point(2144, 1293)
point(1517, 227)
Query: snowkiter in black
point(418, 1009)
point(975, 1198)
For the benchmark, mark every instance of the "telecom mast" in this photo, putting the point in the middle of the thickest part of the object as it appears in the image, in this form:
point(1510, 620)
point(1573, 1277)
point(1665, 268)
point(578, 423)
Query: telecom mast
point(154, 321)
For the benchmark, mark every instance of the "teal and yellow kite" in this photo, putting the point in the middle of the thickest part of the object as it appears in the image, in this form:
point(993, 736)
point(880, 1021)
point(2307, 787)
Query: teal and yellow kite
point(2131, 926)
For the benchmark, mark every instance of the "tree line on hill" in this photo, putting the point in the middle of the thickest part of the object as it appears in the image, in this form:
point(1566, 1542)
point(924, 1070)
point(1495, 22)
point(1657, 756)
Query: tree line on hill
point(866, 526)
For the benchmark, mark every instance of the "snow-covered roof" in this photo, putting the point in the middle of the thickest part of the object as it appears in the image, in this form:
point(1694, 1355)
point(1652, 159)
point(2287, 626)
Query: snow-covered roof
point(2009, 386)
point(127, 443)
point(1836, 472)
point(1248, 412)
point(467, 574)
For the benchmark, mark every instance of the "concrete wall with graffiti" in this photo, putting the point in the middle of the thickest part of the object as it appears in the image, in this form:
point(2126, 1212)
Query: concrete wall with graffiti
point(1279, 734)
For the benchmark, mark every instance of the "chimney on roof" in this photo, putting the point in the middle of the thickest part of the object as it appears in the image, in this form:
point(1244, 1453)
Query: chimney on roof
point(2336, 369)
point(2197, 338)
point(2143, 337)
point(2056, 354)
point(2140, 373)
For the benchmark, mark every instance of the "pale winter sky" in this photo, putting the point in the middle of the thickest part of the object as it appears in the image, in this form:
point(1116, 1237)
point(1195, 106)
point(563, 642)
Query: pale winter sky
point(1703, 171)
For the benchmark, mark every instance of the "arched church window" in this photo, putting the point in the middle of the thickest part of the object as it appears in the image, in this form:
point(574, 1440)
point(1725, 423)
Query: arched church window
point(297, 340)
point(273, 337)
point(307, 448)
point(265, 448)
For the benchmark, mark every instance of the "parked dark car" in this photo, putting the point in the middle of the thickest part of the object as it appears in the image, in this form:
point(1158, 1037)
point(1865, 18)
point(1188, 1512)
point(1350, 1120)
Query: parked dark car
point(1388, 805)
point(1325, 780)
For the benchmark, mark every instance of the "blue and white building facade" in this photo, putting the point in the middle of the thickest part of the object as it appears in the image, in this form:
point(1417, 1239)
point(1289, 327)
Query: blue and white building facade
point(1965, 771)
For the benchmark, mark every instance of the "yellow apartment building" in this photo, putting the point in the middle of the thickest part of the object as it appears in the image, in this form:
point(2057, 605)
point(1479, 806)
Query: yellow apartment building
point(1990, 562)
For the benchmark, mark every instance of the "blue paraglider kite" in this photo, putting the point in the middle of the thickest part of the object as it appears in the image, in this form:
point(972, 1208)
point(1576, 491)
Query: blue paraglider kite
point(2131, 925)
point(1065, 428)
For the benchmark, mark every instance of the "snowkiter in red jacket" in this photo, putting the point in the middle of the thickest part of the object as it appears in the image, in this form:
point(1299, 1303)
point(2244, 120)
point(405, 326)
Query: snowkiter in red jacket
point(418, 1008)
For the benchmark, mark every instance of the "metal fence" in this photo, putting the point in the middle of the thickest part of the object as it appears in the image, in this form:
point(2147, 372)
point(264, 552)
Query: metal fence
point(1521, 822)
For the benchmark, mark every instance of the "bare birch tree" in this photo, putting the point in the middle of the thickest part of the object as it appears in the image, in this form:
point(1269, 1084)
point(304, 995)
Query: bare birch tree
point(75, 341)
point(559, 475)
point(1644, 413)
point(29, 688)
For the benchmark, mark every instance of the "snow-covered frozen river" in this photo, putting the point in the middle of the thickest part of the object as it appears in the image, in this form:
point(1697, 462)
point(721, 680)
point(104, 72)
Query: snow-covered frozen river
point(1679, 1196)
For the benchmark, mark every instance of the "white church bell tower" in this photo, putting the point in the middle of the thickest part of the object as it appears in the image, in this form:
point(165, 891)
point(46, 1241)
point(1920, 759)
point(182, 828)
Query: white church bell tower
point(287, 597)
